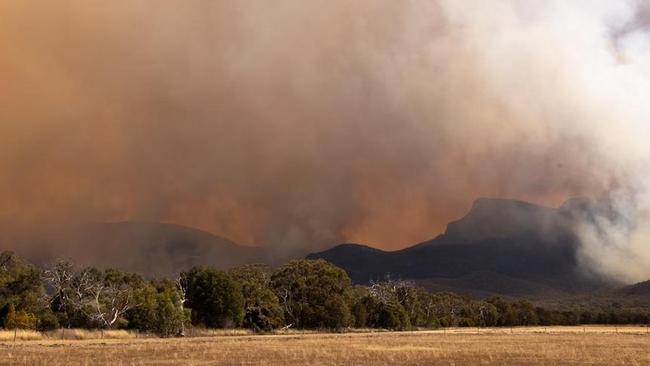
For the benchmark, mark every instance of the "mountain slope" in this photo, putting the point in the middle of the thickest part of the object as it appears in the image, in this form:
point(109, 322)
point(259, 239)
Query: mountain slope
point(633, 296)
point(144, 247)
point(501, 247)
point(640, 291)
point(630, 298)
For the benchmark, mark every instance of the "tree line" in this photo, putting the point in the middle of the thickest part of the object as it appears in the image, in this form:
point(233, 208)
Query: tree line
point(303, 294)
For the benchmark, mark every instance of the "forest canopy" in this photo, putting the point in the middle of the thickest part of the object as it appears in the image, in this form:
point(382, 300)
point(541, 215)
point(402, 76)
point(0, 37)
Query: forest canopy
point(302, 294)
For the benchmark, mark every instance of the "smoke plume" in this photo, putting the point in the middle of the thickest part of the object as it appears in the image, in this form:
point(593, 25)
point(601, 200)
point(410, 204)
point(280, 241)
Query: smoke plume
point(294, 124)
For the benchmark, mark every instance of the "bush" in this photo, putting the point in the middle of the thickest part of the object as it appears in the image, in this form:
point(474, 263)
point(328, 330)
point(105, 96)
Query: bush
point(215, 298)
point(159, 310)
point(262, 310)
point(20, 319)
point(47, 320)
point(313, 294)
point(390, 316)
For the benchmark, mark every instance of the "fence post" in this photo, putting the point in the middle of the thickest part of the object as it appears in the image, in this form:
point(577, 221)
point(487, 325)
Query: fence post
point(15, 333)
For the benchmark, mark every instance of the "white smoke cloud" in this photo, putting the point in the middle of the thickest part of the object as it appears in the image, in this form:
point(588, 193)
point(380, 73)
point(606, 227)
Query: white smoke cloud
point(572, 71)
point(586, 79)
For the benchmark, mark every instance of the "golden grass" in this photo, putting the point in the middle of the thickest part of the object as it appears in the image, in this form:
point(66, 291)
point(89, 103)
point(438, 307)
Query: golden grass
point(582, 329)
point(83, 334)
point(61, 334)
point(592, 345)
point(202, 332)
point(21, 335)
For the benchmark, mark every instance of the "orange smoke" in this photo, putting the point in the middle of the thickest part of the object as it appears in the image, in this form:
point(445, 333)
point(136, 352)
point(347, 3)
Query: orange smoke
point(286, 123)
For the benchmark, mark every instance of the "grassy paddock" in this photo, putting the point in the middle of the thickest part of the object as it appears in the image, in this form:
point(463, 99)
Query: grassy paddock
point(65, 334)
point(593, 345)
point(20, 335)
point(86, 334)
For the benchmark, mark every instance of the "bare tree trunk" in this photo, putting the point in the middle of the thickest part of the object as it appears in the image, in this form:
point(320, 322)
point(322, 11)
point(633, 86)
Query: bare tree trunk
point(183, 291)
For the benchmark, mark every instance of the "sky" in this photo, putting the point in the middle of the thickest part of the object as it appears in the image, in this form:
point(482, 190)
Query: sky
point(293, 124)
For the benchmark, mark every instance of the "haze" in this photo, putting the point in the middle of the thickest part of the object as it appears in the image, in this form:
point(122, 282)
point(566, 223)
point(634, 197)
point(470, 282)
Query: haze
point(294, 124)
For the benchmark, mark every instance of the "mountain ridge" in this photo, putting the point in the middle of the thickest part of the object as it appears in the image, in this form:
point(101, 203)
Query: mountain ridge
point(529, 250)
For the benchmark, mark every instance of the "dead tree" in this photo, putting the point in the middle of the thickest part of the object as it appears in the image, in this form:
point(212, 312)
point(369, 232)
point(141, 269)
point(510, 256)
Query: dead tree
point(284, 296)
point(59, 277)
point(388, 291)
point(181, 286)
point(87, 292)
point(109, 301)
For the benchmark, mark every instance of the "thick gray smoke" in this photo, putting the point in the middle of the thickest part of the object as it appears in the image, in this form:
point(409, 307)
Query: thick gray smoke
point(302, 124)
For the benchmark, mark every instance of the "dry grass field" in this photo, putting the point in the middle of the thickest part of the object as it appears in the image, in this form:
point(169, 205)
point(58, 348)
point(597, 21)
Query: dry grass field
point(518, 346)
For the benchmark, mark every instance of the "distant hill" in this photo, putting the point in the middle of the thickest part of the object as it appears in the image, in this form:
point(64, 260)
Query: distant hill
point(635, 296)
point(502, 247)
point(639, 291)
point(144, 247)
point(628, 298)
